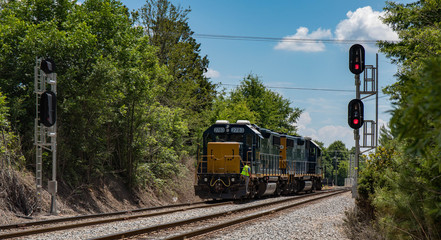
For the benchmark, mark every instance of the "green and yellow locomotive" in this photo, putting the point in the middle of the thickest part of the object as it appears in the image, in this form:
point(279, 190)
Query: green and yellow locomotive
point(280, 163)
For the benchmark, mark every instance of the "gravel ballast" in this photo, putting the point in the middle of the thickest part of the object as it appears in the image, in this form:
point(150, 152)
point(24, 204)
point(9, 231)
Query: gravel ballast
point(319, 220)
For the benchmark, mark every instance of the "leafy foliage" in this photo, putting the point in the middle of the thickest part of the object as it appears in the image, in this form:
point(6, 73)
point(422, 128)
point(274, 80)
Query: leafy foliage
point(401, 183)
point(111, 88)
point(418, 27)
point(335, 162)
point(4, 111)
point(168, 30)
point(251, 100)
point(227, 109)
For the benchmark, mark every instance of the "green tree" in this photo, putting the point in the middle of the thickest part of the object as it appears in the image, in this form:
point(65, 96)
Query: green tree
point(110, 85)
point(168, 29)
point(418, 27)
point(227, 109)
point(403, 179)
point(335, 161)
point(373, 176)
point(342, 172)
point(269, 109)
point(416, 179)
point(4, 111)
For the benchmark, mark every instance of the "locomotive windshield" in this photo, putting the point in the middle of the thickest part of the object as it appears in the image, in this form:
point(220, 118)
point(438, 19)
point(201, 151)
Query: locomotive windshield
point(229, 137)
point(230, 133)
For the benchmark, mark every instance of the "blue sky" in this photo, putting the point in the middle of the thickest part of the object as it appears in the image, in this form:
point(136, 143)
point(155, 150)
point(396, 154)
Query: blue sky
point(284, 65)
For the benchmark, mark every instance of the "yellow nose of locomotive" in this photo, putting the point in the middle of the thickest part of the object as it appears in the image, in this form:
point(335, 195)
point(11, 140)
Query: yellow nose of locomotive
point(223, 157)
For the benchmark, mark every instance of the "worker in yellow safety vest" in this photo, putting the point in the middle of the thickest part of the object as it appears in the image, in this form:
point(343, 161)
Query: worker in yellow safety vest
point(246, 174)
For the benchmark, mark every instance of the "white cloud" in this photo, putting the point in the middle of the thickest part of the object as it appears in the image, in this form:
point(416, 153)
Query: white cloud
point(289, 43)
point(304, 120)
point(302, 125)
point(331, 133)
point(211, 73)
point(327, 134)
point(364, 24)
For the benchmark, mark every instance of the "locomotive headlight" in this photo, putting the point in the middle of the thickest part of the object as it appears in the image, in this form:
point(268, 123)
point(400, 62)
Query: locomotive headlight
point(232, 179)
point(205, 179)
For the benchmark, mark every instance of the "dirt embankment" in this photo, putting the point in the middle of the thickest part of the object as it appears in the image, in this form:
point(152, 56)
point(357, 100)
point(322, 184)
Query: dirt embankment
point(19, 201)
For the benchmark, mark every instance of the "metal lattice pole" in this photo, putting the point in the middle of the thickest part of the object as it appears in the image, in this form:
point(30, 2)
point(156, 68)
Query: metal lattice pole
point(42, 133)
point(38, 134)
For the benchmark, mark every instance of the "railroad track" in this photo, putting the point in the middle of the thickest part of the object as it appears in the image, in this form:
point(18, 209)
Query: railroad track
point(166, 231)
point(58, 224)
point(204, 224)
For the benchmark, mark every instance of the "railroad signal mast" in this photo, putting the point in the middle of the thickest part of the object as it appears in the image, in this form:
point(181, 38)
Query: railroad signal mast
point(356, 107)
point(45, 135)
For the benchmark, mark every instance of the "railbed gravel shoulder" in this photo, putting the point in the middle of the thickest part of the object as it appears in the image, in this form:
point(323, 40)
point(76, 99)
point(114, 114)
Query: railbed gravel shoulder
point(115, 227)
point(318, 220)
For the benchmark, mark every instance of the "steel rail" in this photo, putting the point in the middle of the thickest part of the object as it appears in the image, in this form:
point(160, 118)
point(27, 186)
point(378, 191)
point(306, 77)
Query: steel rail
point(150, 229)
point(98, 215)
point(96, 222)
point(209, 229)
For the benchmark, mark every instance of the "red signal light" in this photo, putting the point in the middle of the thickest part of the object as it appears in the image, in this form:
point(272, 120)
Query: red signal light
point(355, 113)
point(356, 59)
